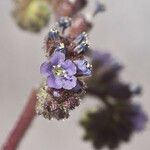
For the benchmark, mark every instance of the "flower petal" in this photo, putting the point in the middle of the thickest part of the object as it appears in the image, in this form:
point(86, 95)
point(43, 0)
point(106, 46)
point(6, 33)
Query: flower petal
point(45, 69)
point(57, 57)
point(84, 68)
point(69, 67)
point(69, 83)
point(59, 82)
point(80, 64)
point(78, 86)
point(52, 82)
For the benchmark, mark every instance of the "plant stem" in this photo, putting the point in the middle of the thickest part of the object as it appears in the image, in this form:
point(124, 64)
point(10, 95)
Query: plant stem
point(26, 118)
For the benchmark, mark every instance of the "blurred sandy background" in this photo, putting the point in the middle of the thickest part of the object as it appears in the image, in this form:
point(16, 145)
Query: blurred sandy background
point(124, 29)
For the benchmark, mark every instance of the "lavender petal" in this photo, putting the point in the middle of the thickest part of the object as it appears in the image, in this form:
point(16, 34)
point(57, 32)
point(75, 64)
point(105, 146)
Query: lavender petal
point(57, 57)
point(70, 67)
point(69, 83)
point(45, 69)
point(52, 82)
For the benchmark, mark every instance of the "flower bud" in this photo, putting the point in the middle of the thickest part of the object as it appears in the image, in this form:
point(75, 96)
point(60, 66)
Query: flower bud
point(69, 7)
point(32, 16)
point(79, 24)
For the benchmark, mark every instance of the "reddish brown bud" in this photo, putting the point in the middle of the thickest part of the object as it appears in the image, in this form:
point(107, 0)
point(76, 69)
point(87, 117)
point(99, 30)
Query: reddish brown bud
point(79, 24)
point(68, 8)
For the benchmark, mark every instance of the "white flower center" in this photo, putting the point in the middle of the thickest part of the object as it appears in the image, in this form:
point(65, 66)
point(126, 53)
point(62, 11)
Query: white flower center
point(59, 71)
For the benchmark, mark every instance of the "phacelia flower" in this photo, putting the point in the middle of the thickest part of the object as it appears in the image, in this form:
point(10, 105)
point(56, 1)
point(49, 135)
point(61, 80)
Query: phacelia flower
point(60, 72)
point(63, 72)
point(84, 67)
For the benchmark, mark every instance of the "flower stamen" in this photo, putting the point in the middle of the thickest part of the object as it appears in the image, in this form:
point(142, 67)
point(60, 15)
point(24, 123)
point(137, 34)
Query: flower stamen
point(59, 71)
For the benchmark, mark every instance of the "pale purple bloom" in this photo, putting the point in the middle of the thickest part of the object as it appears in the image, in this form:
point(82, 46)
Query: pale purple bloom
point(60, 73)
point(83, 67)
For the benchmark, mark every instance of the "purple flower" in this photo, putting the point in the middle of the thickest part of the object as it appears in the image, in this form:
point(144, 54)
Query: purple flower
point(139, 119)
point(64, 71)
point(84, 68)
point(60, 73)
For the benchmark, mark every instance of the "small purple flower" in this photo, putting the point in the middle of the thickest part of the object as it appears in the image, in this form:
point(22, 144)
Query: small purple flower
point(84, 68)
point(139, 119)
point(60, 73)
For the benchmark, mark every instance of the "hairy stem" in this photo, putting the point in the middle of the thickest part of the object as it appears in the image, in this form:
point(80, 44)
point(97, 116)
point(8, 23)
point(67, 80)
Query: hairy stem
point(26, 118)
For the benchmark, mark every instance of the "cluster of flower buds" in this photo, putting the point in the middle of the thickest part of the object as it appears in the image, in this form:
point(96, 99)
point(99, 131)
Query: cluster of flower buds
point(120, 117)
point(106, 71)
point(110, 126)
point(64, 72)
point(31, 15)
